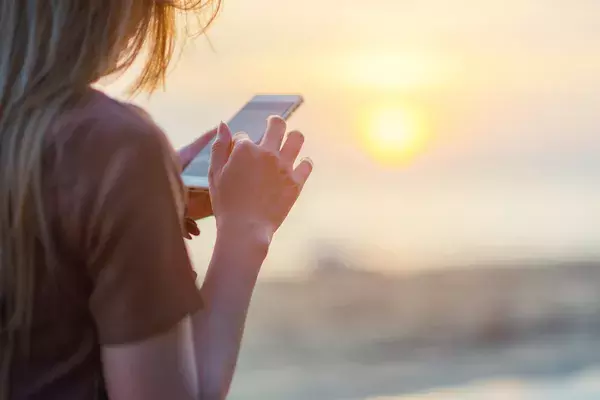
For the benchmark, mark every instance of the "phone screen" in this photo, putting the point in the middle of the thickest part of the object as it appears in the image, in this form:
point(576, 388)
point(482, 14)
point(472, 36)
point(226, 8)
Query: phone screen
point(252, 119)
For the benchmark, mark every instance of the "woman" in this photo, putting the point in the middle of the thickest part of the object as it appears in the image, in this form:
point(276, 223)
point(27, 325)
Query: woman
point(97, 295)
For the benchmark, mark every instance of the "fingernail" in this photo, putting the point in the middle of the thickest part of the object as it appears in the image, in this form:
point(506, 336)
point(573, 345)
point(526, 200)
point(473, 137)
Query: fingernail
point(275, 119)
point(222, 131)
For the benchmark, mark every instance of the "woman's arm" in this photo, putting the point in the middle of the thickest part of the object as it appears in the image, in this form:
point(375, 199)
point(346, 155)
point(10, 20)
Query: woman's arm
point(217, 329)
point(253, 188)
point(197, 358)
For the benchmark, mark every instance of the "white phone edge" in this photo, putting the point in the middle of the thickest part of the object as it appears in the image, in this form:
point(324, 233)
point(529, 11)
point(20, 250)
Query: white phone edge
point(195, 183)
point(200, 183)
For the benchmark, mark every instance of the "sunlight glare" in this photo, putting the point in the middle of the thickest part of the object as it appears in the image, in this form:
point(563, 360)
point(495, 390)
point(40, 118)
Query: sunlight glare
point(395, 135)
point(396, 71)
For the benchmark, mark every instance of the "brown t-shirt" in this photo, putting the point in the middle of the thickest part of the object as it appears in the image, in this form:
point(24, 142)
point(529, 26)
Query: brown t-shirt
point(115, 200)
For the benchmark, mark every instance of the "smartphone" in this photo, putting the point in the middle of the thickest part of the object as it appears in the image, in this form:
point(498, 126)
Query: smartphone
point(252, 119)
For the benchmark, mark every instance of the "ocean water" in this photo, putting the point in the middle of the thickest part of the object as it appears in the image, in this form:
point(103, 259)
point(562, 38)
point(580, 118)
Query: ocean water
point(522, 333)
point(584, 385)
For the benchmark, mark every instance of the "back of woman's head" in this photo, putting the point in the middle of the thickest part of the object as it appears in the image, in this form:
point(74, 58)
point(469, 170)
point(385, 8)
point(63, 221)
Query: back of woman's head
point(50, 52)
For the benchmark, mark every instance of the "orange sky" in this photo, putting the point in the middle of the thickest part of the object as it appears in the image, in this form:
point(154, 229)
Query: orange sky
point(508, 89)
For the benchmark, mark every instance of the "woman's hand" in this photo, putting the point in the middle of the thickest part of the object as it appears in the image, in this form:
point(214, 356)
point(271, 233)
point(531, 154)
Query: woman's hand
point(189, 152)
point(255, 186)
point(198, 203)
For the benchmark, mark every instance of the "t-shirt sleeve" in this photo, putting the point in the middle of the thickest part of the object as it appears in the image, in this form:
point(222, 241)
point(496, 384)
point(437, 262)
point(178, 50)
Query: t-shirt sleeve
point(142, 278)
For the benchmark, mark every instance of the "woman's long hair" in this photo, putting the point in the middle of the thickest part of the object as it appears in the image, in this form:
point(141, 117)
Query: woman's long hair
point(50, 52)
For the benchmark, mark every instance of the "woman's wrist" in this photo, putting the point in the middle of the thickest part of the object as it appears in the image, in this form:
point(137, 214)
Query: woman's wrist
point(245, 235)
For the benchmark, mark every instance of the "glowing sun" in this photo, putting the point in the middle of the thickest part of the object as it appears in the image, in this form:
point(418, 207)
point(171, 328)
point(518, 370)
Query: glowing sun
point(394, 135)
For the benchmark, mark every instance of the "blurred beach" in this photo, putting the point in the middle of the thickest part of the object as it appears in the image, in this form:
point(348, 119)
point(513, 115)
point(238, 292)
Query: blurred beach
point(522, 332)
point(583, 385)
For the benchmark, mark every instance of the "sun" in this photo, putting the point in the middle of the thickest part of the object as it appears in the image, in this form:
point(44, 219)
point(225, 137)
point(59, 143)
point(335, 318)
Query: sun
point(394, 135)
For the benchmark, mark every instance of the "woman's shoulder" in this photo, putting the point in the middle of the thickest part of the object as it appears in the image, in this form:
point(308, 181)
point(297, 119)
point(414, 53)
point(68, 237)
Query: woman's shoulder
point(100, 138)
point(102, 117)
point(101, 125)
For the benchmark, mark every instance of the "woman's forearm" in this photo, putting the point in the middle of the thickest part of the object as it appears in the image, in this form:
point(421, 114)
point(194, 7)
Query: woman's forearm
point(217, 329)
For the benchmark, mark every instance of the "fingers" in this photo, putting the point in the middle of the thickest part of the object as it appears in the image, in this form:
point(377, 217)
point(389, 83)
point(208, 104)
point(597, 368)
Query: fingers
point(240, 140)
point(199, 205)
point(221, 149)
point(205, 139)
point(240, 137)
point(191, 228)
point(274, 134)
point(188, 153)
point(291, 148)
point(302, 172)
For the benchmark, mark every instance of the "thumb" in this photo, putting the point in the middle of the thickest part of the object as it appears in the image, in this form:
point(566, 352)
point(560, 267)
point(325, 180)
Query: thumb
point(188, 153)
point(220, 149)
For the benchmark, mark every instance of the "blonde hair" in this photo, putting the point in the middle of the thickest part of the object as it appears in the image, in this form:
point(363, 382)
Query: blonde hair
point(50, 52)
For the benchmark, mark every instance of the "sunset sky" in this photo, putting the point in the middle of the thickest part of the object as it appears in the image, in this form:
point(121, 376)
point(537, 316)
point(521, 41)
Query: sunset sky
point(442, 132)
